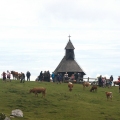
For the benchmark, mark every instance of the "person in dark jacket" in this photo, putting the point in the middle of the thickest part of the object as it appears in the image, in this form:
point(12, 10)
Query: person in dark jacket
point(111, 80)
point(28, 74)
point(58, 78)
point(48, 76)
point(41, 76)
point(45, 75)
point(100, 83)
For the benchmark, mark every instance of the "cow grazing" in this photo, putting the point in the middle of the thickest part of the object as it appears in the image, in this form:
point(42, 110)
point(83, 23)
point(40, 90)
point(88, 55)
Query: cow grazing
point(86, 84)
point(109, 95)
point(93, 88)
point(38, 90)
point(70, 85)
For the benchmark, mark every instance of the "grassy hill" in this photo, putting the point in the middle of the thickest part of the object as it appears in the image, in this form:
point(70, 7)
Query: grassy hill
point(59, 103)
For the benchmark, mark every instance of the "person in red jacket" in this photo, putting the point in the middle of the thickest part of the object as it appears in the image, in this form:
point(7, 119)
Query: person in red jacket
point(119, 79)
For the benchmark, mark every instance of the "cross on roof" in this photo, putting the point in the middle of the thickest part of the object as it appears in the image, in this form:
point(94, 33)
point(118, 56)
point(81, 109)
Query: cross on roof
point(69, 37)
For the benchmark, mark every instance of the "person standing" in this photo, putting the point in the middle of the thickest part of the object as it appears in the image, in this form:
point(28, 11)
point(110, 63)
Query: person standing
point(108, 83)
point(45, 76)
point(22, 78)
point(111, 80)
point(100, 81)
point(4, 76)
point(80, 79)
point(57, 78)
point(119, 79)
point(48, 76)
point(60, 78)
point(66, 76)
point(8, 75)
point(104, 81)
point(53, 76)
point(76, 77)
point(72, 77)
point(28, 74)
point(40, 77)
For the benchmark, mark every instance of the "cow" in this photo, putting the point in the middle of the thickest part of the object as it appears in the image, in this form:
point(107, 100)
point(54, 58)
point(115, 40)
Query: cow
point(38, 90)
point(93, 88)
point(86, 84)
point(116, 83)
point(109, 95)
point(15, 75)
point(70, 85)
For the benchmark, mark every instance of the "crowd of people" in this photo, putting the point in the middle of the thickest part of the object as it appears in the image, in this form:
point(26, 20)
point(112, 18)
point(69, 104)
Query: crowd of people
point(104, 82)
point(74, 77)
point(21, 76)
point(58, 78)
point(43, 76)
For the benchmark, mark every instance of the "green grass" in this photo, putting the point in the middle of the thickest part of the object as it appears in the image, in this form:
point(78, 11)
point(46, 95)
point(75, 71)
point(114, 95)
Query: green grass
point(59, 103)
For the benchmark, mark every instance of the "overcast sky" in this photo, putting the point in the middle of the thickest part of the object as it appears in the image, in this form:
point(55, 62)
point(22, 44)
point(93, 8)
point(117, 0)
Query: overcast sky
point(34, 33)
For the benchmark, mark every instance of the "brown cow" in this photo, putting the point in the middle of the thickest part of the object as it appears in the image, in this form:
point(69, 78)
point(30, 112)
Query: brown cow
point(38, 90)
point(116, 83)
point(15, 75)
point(93, 88)
point(86, 84)
point(70, 85)
point(109, 95)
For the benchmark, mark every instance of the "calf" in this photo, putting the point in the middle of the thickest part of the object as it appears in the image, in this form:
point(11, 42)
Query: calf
point(109, 95)
point(38, 90)
point(86, 84)
point(70, 85)
point(93, 88)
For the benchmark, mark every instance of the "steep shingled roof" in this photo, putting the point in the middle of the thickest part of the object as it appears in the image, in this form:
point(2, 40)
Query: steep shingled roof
point(68, 66)
point(69, 45)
